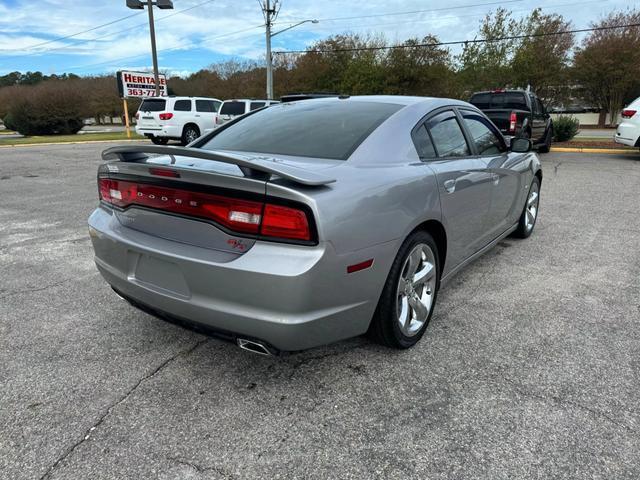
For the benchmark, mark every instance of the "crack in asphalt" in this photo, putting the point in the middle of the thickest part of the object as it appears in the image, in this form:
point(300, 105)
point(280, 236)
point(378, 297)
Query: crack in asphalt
point(555, 168)
point(46, 287)
point(298, 363)
point(123, 398)
point(200, 468)
point(565, 402)
point(38, 289)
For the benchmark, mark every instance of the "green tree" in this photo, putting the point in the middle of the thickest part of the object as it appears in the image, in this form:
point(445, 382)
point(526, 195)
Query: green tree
point(488, 64)
point(420, 68)
point(606, 66)
point(542, 60)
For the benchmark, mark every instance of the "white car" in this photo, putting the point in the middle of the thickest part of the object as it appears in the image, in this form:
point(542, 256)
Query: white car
point(628, 131)
point(176, 118)
point(231, 109)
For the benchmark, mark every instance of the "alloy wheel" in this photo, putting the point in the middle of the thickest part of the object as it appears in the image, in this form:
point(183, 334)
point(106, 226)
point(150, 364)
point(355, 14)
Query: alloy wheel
point(191, 135)
point(416, 289)
point(531, 210)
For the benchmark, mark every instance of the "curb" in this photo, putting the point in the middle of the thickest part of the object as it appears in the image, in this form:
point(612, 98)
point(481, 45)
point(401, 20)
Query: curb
point(593, 150)
point(19, 145)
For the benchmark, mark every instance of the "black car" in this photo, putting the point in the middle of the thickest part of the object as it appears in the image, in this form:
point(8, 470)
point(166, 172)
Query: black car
point(517, 113)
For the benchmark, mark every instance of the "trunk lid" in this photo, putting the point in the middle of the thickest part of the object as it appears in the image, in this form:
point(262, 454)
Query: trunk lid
point(164, 180)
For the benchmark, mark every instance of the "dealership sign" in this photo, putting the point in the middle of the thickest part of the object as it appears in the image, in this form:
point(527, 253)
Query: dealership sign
point(140, 84)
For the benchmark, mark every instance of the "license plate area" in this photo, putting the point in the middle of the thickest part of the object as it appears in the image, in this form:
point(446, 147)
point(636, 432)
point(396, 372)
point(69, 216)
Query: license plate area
point(157, 274)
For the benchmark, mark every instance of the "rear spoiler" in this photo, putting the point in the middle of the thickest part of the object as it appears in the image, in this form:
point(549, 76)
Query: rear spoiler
point(250, 166)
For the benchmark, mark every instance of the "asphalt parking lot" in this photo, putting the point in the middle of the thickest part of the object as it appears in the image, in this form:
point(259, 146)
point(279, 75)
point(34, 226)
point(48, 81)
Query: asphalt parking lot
point(529, 369)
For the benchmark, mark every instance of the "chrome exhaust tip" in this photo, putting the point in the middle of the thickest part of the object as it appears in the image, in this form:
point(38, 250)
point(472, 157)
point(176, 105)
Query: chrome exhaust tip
point(254, 346)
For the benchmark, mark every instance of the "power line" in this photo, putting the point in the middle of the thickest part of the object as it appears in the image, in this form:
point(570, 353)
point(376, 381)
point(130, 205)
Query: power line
point(72, 35)
point(404, 22)
point(413, 12)
point(461, 42)
point(111, 34)
point(77, 67)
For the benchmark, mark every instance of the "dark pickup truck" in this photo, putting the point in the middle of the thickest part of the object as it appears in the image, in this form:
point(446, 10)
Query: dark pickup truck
point(517, 113)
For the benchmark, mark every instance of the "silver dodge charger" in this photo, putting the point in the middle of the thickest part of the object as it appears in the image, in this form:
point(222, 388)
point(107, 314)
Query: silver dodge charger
point(309, 222)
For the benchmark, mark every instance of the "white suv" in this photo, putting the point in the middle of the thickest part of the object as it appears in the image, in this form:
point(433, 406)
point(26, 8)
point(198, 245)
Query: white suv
point(628, 132)
point(177, 118)
point(231, 109)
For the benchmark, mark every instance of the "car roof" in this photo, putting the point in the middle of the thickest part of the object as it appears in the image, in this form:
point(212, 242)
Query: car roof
point(405, 100)
point(249, 100)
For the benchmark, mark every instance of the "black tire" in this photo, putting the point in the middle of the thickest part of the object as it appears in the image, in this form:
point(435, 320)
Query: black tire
point(188, 134)
point(159, 140)
point(546, 146)
point(385, 328)
point(525, 229)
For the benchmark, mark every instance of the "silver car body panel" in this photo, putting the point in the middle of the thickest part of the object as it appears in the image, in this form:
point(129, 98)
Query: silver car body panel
point(299, 296)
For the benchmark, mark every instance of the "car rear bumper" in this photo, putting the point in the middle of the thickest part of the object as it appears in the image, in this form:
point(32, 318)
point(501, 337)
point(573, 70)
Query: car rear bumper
point(291, 297)
point(627, 133)
point(171, 131)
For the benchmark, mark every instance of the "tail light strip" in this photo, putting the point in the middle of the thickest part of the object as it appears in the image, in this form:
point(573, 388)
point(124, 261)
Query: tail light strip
point(513, 120)
point(238, 215)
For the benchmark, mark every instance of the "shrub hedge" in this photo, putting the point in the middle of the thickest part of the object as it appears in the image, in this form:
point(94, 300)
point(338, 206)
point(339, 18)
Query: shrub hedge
point(51, 108)
point(565, 128)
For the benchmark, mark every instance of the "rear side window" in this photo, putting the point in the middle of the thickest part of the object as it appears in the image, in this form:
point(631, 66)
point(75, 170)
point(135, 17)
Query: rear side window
point(232, 108)
point(484, 135)
point(447, 135)
point(323, 129)
point(204, 106)
point(216, 105)
point(182, 106)
point(152, 105)
point(423, 143)
point(256, 105)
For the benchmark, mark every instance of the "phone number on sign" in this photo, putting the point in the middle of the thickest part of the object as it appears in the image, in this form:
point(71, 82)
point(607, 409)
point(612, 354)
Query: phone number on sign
point(138, 92)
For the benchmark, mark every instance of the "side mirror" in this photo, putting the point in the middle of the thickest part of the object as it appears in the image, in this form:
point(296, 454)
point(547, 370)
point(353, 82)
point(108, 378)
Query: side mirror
point(521, 145)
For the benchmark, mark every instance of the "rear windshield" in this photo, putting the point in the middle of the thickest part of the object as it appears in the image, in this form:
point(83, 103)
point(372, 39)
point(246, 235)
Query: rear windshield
point(232, 108)
point(320, 129)
point(152, 105)
point(499, 100)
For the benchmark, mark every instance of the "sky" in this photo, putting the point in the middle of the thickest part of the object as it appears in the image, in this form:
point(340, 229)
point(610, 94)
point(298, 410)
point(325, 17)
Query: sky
point(105, 36)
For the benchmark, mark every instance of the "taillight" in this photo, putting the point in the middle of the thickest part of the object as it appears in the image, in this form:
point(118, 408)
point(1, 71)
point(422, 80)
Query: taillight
point(628, 113)
point(238, 215)
point(166, 116)
point(513, 120)
point(218, 120)
point(137, 115)
point(285, 222)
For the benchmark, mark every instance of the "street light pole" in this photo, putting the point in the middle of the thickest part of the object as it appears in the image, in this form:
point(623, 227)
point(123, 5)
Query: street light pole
point(268, 13)
point(154, 52)
point(164, 5)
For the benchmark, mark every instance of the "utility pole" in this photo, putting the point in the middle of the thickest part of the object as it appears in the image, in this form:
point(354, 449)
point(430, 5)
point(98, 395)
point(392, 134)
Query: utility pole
point(154, 52)
point(268, 13)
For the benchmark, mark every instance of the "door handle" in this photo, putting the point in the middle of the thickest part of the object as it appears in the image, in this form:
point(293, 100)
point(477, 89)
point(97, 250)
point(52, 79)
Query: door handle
point(450, 186)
